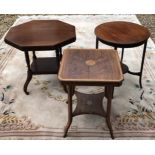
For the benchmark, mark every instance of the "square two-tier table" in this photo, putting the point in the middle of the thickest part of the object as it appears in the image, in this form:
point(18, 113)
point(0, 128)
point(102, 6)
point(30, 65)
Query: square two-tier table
point(120, 34)
point(90, 67)
point(41, 35)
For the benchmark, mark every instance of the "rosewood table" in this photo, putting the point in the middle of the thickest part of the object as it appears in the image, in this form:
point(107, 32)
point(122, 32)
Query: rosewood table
point(90, 67)
point(120, 34)
point(41, 35)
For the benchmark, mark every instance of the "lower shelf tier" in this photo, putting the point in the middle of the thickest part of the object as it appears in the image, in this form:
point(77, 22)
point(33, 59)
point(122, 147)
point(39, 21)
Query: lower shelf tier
point(45, 66)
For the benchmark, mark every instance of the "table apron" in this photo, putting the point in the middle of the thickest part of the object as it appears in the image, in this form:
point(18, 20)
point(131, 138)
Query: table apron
point(122, 45)
point(92, 83)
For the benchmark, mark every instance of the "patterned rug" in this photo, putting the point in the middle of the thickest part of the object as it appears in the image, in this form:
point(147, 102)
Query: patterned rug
point(43, 113)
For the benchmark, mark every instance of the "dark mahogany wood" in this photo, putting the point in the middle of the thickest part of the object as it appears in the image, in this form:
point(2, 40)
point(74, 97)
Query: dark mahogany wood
point(90, 67)
point(93, 66)
point(121, 34)
point(44, 66)
point(89, 104)
point(41, 35)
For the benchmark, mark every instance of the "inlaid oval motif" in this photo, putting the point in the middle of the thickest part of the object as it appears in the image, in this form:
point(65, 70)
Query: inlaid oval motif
point(90, 62)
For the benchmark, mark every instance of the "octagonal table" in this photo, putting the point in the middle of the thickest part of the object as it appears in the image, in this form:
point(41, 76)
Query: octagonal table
point(41, 35)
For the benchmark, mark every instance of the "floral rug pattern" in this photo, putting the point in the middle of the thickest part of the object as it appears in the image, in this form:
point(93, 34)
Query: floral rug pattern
point(43, 113)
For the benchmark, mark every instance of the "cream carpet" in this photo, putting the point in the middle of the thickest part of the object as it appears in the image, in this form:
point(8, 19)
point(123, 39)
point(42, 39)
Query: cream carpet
point(43, 113)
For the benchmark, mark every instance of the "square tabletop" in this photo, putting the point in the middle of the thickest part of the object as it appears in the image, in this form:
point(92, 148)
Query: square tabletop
point(91, 65)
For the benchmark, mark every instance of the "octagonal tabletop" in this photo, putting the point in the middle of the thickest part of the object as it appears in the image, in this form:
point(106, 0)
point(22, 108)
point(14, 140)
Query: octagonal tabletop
point(41, 35)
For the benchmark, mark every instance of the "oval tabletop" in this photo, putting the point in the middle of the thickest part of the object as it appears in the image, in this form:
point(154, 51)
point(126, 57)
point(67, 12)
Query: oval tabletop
point(122, 34)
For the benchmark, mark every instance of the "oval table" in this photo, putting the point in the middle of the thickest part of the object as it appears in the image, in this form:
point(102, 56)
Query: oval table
point(120, 34)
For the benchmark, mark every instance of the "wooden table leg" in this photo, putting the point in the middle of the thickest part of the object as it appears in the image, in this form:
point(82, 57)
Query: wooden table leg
point(70, 94)
point(60, 53)
point(57, 56)
point(29, 77)
point(109, 94)
point(29, 73)
point(97, 43)
point(34, 55)
point(142, 64)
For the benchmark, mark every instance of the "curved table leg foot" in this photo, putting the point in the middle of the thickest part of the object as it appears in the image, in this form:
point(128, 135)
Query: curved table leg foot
point(110, 127)
point(70, 92)
point(67, 127)
point(109, 98)
point(29, 77)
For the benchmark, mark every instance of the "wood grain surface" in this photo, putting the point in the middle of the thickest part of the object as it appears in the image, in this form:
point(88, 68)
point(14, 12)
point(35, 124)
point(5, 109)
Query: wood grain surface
point(122, 33)
point(93, 65)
